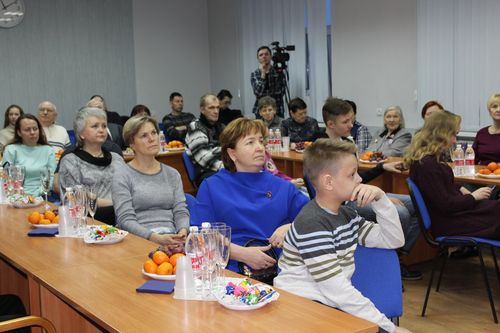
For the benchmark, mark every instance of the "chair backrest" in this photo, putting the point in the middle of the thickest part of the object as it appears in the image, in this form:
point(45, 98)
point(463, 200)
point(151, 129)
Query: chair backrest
point(191, 205)
point(72, 138)
point(310, 187)
point(190, 169)
point(424, 219)
point(378, 278)
point(27, 321)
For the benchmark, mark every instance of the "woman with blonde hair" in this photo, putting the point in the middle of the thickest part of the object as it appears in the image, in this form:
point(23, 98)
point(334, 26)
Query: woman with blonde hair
point(487, 142)
point(453, 209)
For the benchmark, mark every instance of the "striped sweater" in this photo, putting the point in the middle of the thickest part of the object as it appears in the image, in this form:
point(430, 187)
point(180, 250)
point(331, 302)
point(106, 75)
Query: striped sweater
point(318, 255)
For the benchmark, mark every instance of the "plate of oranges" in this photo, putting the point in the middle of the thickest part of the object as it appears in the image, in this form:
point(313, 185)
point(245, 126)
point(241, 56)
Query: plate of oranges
point(492, 170)
point(174, 145)
point(161, 266)
point(47, 219)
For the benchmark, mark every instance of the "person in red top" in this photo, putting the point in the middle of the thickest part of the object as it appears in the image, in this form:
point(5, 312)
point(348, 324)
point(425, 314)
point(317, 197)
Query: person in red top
point(487, 142)
point(453, 209)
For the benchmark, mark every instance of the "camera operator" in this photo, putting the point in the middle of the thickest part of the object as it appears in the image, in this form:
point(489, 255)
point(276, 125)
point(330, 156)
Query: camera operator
point(267, 82)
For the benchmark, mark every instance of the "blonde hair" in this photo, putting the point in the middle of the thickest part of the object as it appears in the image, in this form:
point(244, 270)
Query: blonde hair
point(433, 138)
point(233, 132)
point(134, 124)
point(325, 154)
point(493, 99)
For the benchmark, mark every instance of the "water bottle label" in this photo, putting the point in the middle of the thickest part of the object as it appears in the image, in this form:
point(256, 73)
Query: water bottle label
point(469, 162)
point(459, 163)
point(195, 262)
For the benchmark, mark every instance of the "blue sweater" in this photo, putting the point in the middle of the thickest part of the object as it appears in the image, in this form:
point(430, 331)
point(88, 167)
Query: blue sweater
point(254, 205)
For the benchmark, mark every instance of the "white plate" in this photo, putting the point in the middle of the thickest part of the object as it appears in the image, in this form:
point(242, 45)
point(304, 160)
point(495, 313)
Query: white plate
point(373, 162)
point(159, 277)
point(300, 151)
point(492, 176)
point(38, 202)
point(45, 226)
point(109, 239)
point(230, 302)
point(174, 149)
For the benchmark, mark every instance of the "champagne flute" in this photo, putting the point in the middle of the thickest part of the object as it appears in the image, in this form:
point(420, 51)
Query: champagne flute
point(17, 174)
point(45, 176)
point(91, 201)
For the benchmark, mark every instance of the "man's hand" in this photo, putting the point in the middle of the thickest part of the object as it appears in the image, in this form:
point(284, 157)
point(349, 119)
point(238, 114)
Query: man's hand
point(264, 69)
point(364, 194)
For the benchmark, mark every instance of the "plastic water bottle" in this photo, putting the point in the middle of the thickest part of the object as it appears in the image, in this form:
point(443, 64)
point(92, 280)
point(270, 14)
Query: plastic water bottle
point(458, 161)
point(270, 141)
point(69, 202)
point(162, 142)
point(470, 157)
point(277, 140)
point(3, 185)
point(194, 253)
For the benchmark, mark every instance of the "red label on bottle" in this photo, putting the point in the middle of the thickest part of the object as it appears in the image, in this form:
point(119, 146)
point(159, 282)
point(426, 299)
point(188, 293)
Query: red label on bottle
point(459, 162)
point(469, 162)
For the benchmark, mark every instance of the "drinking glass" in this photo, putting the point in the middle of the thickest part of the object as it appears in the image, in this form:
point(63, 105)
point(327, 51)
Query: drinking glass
point(91, 201)
point(17, 173)
point(45, 177)
point(80, 200)
point(223, 251)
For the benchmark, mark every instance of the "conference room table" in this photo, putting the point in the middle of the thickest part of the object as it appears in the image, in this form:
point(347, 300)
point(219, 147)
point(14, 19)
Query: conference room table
point(83, 287)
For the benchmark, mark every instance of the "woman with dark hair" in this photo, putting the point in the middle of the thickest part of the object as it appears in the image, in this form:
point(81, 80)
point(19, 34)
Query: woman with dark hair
point(31, 150)
point(430, 107)
point(7, 132)
point(253, 202)
point(89, 163)
point(141, 110)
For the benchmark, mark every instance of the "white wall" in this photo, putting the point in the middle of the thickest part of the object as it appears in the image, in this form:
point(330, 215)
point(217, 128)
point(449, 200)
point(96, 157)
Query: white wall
point(374, 56)
point(171, 53)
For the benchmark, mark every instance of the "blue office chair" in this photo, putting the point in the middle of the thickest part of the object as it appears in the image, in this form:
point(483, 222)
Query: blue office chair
point(378, 278)
point(191, 205)
point(190, 170)
point(444, 242)
point(72, 138)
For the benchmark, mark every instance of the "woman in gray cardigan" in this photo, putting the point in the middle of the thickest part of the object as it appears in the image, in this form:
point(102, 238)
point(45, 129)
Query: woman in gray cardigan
point(393, 138)
point(148, 195)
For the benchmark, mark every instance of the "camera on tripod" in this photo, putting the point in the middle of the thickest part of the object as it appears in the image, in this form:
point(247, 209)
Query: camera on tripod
point(280, 56)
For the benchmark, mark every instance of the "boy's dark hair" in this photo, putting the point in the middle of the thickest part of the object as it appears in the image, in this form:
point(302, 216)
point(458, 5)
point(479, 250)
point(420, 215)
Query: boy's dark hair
point(296, 104)
point(334, 107)
point(323, 154)
point(223, 94)
point(174, 95)
point(264, 48)
point(353, 105)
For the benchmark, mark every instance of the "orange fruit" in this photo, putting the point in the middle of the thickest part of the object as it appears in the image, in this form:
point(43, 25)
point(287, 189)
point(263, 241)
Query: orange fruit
point(56, 220)
point(174, 257)
point(497, 171)
point(150, 266)
point(45, 221)
point(485, 171)
point(49, 215)
point(34, 218)
point(492, 166)
point(165, 269)
point(159, 257)
point(174, 270)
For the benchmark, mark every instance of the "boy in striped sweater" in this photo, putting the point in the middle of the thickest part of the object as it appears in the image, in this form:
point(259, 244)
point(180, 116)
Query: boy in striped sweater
point(318, 252)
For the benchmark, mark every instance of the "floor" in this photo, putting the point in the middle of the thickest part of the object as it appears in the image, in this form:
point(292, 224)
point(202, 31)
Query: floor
point(462, 303)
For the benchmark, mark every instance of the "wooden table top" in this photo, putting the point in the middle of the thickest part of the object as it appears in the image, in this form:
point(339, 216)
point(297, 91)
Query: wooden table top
point(100, 281)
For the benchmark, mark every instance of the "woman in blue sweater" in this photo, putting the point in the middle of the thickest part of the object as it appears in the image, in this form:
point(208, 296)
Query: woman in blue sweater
point(30, 149)
point(253, 202)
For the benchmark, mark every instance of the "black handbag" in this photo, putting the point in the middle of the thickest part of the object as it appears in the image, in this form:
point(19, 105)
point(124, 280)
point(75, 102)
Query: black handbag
point(265, 275)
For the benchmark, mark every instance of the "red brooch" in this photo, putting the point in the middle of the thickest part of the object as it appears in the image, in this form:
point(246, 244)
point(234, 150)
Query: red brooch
point(269, 194)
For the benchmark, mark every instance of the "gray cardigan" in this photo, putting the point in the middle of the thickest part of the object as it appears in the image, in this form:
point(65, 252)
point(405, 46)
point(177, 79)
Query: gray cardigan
point(145, 202)
point(393, 145)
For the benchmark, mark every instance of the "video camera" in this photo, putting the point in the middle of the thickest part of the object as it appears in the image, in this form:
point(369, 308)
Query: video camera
point(280, 56)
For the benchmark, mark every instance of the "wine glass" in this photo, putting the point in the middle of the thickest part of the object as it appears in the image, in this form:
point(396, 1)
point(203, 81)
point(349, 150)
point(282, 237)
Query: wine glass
point(91, 201)
point(45, 176)
point(17, 173)
point(80, 200)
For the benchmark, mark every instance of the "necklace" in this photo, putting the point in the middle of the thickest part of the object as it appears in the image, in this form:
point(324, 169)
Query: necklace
point(101, 154)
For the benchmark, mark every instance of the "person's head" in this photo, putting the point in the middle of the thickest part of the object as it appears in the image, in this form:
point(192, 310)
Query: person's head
point(141, 134)
point(11, 114)
point(140, 110)
point(28, 131)
point(430, 107)
point(47, 113)
point(176, 102)
point(264, 55)
point(209, 107)
point(332, 167)
point(225, 99)
point(298, 110)
point(98, 101)
point(267, 108)
point(338, 117)
point(242, 145)
point(354, 109)
point(90, 126)
point(438, 134)
point(494, 107)
point(393, 118)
